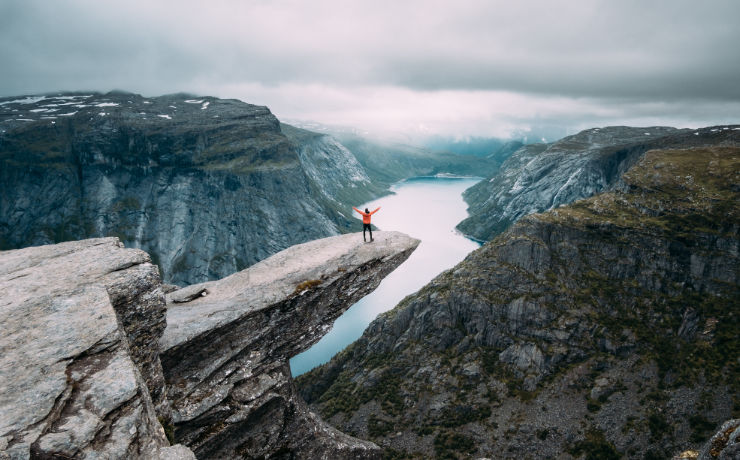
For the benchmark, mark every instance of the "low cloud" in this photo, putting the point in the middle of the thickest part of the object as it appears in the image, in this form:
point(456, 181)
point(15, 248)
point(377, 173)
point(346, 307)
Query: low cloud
point(468, 67)
point(391, 110)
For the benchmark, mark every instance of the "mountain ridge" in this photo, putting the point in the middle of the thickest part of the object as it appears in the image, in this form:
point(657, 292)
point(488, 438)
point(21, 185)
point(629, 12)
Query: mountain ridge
point(539, 177)
point(207, 186)
point(164, 174)
point(605, 327)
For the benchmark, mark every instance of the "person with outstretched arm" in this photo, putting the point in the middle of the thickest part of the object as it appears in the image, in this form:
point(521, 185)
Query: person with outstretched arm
point(366, 222)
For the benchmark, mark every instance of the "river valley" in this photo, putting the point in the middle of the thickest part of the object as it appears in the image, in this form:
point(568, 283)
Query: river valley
point(427, 208)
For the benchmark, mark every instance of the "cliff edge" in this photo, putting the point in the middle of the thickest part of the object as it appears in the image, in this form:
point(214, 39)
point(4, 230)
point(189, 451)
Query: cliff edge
point(96, 361)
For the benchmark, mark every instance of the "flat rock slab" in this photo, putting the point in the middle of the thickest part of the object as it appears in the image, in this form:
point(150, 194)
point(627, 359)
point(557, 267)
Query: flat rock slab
point(200, 308)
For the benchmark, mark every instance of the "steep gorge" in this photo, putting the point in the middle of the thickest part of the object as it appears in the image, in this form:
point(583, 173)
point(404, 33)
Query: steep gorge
point(608, 327)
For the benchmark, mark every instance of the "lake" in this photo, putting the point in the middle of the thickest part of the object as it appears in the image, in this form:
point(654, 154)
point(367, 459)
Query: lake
point(427, 208)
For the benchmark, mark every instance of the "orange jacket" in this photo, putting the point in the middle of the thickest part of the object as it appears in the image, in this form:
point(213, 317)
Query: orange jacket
point(366, 215)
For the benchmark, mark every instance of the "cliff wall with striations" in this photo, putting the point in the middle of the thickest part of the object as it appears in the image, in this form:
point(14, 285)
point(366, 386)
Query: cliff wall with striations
point(539, 177)
point(207, 186)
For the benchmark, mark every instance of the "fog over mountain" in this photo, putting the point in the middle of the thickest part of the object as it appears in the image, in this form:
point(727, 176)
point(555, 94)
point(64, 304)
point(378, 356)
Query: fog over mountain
point(472, 68)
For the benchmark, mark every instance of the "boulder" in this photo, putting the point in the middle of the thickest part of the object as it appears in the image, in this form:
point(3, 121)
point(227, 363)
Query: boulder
point(725, 444)
point(78, 364)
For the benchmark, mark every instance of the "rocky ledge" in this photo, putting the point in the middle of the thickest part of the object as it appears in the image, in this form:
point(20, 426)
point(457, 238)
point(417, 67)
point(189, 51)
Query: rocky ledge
point(79, 363)
point(84, 335)
point(227, 344)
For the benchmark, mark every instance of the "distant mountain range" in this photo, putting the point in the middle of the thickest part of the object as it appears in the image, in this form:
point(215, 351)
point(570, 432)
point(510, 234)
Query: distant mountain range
point(538, 177)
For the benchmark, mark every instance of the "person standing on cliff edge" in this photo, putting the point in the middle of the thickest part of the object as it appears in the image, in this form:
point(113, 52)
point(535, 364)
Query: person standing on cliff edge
point(366, 222)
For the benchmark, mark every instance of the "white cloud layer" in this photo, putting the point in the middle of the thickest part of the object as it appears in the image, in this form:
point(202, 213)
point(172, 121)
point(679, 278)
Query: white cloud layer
point(462, 67)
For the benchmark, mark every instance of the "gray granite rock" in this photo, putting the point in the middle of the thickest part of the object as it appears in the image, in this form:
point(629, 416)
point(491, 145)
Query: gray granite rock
point(176, 452)
point(76, 352)
point(725, 444)
point(225, 353)
point(207, 186)
point(128, 276)
point(538, 177)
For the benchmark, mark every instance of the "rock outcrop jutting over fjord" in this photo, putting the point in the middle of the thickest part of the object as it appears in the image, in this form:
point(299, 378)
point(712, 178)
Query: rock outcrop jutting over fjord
point(84, 336)
point(227, 344)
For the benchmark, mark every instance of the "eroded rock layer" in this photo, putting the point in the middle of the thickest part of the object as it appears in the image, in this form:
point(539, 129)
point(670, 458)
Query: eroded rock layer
point(227, 344)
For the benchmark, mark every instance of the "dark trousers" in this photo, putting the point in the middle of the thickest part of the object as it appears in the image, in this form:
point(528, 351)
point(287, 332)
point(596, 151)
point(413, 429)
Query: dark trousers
point(369, 228)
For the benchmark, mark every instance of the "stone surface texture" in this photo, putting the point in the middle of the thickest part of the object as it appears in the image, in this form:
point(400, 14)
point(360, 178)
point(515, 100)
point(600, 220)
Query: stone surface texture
point(78, 353)
point(225, 351)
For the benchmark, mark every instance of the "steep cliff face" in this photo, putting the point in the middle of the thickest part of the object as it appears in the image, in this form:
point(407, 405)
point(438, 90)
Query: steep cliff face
point(607, 327)
point(539, 177)
point(85, 345)
point(206, 186)
point(333, 168)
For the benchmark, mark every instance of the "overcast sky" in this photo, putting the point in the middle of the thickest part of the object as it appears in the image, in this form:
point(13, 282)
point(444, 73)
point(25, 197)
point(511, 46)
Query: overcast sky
point(457, 67)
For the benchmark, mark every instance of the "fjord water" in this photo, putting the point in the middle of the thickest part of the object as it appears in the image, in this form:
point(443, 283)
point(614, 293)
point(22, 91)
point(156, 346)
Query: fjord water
point(427, 208)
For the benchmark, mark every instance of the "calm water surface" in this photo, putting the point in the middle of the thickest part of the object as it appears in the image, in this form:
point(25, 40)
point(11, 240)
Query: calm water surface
point(427, 208)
